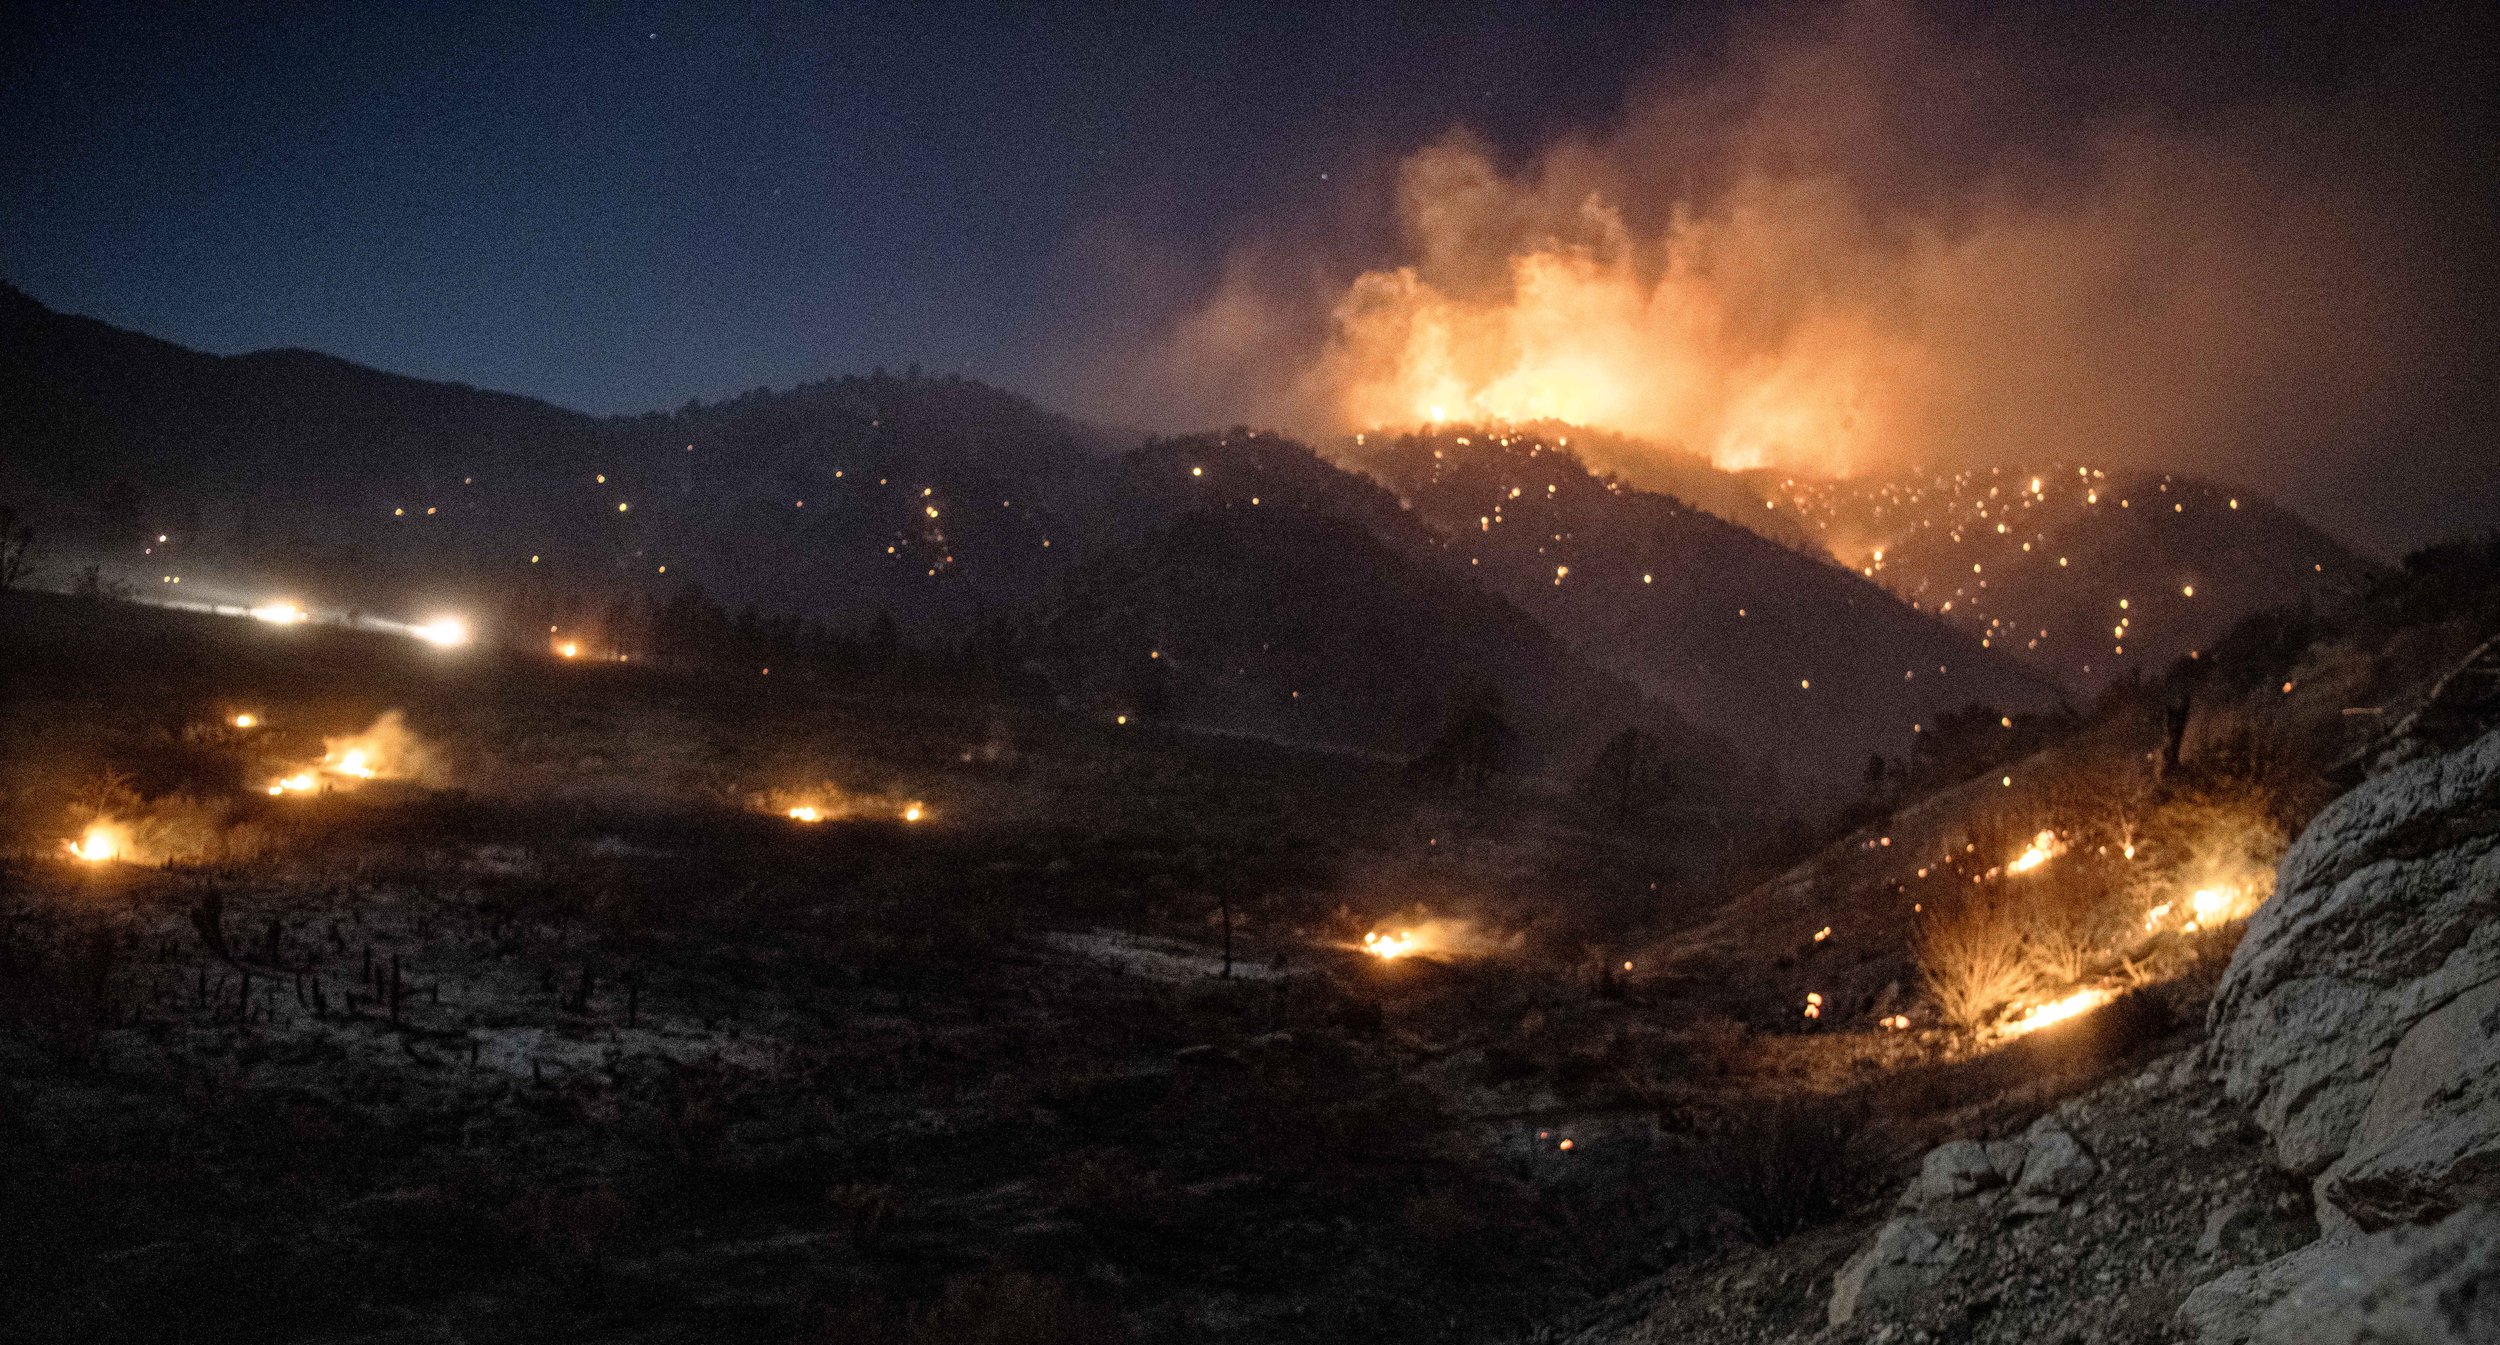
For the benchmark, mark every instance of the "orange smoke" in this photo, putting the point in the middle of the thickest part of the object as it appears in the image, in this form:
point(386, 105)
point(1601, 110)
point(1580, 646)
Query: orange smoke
point(1863, 239)
point(1588, 324)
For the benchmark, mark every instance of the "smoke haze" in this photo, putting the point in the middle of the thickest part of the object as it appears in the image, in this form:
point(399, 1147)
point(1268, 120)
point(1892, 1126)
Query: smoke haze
point(1862, 237)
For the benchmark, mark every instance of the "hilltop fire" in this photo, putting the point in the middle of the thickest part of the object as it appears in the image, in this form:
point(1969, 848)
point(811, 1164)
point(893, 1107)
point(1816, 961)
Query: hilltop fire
point(830, 803)
point(443, 632)
point(1434, 939)
point(2042, 849)
point(385, 750)
point(102, 842)
point(1391, 946)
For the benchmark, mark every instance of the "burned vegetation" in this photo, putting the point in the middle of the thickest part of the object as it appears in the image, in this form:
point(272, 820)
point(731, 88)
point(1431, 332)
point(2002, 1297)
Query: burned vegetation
point(350, 984)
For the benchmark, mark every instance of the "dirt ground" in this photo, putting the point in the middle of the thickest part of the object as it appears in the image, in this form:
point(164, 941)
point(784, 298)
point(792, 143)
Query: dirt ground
point(574, 1038)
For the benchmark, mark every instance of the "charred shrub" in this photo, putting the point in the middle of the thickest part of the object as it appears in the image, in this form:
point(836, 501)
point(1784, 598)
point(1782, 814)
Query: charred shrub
point(1784, 1165)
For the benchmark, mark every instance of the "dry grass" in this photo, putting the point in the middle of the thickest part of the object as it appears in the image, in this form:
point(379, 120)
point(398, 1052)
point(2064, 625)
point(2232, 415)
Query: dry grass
point(1972, 959)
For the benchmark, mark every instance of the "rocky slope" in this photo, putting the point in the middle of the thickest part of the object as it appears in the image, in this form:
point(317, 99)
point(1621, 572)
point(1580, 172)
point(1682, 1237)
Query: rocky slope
point(2323, 1167)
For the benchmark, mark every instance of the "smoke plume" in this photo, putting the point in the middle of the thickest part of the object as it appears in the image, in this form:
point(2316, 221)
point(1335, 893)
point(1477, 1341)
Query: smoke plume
point(1861, 240)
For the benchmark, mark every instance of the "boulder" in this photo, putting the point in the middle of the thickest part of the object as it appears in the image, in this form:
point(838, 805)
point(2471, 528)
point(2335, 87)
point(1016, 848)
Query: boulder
point(1905, 1256)
point(2007, 1156)
point(1955, 1170)
point(2386, 913)
point(2429, 1142)
point(2404, 1286)
point(2054, 1163)
point(2225, 1310)
point(2359, 1021)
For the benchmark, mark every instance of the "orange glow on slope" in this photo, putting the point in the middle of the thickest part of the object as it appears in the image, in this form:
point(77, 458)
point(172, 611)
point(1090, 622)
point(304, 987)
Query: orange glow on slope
point(2059, 1010)
point(1584, 321)
point(100, 843)
point(385, 750)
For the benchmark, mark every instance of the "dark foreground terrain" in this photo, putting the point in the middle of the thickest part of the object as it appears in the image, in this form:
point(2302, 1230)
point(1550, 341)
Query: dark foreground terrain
point(569, 1034)
point(1052, 1028)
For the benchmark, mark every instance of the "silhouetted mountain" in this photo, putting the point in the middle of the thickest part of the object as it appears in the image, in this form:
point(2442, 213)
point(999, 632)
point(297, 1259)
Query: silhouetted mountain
point(2082, 573)
point(1789, 657)
point(348, 486)
point(948, 505)
point(290, 460)
point(935, 499)
point(2056, 558)
point(1242, 582)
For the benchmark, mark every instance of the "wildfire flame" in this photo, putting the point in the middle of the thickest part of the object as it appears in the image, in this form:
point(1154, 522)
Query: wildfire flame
point(2039, 1016)
point(1584, 319)
point(385, 750)
point(1433, 939)
point(443, 632)
point(827, 803)
point(2042, 849)
point(1390, 946)
point(102, 841)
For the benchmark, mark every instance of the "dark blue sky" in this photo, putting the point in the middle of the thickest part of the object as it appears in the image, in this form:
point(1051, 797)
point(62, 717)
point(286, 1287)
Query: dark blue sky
point(619, 206)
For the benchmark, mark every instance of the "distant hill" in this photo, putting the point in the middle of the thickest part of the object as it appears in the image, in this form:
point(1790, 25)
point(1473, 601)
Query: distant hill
point(2083, 573)
point(347, 486)
point(1785, 655)
point(1243, 581)
point(944, 503)
point(2144, 538)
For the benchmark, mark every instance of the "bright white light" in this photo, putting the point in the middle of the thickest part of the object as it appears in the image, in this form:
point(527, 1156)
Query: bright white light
point(446, 632)
point(279, 613)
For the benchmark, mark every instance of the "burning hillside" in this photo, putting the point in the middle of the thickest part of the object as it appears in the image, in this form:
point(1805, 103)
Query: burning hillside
point(2080, 571)
point(1850, 250)
point(1818, 668)
point(383, 750)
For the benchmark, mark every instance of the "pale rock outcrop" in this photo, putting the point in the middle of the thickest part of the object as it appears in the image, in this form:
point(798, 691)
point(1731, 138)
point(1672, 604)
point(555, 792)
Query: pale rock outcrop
point(2429, 1142)
point(1905, 1256)
point(2359, 1021)
point(2055, 1163)
point(1953, 1171)
point(1955, 1181)
point(2409, 1285)
point(2225, 1310)
point(2386, 913)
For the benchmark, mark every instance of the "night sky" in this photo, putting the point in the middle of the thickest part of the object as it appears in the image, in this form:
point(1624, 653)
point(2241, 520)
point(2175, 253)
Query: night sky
point(616, 207)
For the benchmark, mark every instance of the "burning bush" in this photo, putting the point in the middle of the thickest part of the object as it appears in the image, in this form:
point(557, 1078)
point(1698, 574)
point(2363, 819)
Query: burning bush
point(1971, 958)
point(112, 823)
point(2212, 854)
point(2060, 918)
point(829, 802)
point(1434, 939)
point(385, 750)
